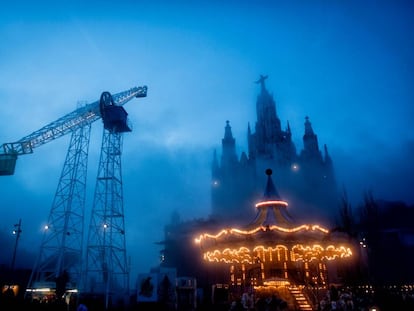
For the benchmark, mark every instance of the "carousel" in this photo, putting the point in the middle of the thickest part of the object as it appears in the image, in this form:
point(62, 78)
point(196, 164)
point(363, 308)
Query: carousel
point(274, 250)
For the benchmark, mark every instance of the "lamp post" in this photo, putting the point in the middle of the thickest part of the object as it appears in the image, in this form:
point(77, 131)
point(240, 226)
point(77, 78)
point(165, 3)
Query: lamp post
point(17, 231)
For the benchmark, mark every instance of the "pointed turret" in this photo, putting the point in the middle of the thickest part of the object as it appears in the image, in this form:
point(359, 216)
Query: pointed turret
point(310, 142)
point(288, 135)
point(251, 143)
point(228, 135)
point(308, 127)
point(329, 173)
point(229, 156)
point(243, 159)
point(327, 157)
point(215, 165)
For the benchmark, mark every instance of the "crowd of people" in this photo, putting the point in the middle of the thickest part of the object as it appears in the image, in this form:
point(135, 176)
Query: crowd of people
point(247, 302)
point(367, 298)
point(363, 298)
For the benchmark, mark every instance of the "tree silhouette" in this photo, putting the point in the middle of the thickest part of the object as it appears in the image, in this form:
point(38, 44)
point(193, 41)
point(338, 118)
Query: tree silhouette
point(346, 218)
point(370, 234)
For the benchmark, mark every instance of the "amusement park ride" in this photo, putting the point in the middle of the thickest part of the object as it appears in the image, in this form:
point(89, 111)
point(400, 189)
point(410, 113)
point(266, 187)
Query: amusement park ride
point(61, 265)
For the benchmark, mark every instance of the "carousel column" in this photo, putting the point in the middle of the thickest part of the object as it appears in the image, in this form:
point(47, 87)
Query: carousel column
point(306, 270)
point(320, 274)
point(325, 274)
point(285, 266)
point(262, 270)
point(261, 259)
point(232, 277)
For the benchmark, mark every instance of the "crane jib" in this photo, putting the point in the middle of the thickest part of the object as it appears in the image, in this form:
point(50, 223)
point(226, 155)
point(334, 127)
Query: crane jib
point(113, 115)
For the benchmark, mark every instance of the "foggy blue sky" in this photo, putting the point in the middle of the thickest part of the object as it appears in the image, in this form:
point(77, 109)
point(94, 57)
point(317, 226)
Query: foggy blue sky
point(348, 65)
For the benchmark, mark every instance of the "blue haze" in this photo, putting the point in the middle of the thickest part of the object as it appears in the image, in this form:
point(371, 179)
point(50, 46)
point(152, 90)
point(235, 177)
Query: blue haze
point(348, 65)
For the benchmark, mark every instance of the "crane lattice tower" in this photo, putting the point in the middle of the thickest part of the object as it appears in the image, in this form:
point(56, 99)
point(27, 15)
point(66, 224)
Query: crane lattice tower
point(106, 270)
point(59, 260)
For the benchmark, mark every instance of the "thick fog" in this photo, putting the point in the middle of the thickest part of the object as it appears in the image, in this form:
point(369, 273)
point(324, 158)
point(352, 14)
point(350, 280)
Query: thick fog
point(348, 66)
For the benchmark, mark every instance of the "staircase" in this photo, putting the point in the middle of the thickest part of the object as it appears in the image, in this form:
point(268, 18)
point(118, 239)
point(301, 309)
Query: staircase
point(302, 302)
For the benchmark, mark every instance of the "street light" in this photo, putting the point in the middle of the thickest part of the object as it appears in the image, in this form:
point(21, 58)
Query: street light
point(17, 231)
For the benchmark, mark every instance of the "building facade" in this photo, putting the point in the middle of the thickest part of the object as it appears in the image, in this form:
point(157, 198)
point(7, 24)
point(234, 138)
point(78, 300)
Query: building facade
point(305, 178)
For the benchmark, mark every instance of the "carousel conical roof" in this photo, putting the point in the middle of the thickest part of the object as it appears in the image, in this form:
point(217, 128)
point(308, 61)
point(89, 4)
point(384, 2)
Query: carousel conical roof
point(271, 210)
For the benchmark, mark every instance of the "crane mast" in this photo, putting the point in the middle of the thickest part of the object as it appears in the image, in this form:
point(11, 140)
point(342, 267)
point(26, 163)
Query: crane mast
point(60, 262)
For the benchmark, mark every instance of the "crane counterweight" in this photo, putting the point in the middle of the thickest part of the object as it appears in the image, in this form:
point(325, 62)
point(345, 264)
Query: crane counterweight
point(7, 164)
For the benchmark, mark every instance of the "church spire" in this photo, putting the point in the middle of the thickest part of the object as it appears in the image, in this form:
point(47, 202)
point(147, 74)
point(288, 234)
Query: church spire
point(328, 167)
point(326, 155)
point(228, 135)
point(310, 140)
point(308, 127)
point(215, 164)
point(288, 132)
point(229, 156)
point(268, 129)
point(250, 143)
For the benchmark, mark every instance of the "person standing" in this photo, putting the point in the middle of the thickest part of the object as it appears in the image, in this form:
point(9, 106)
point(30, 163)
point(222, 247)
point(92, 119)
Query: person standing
point(82, 307)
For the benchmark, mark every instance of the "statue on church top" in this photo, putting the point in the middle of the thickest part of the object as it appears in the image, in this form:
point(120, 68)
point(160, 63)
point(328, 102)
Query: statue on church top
point(262, 80)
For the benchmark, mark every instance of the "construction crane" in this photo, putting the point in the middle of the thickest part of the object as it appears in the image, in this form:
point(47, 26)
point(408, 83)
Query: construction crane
point(69, 123)
point(62, 266)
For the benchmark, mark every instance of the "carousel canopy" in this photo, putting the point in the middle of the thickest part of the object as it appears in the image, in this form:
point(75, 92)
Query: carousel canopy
point(273, 230)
